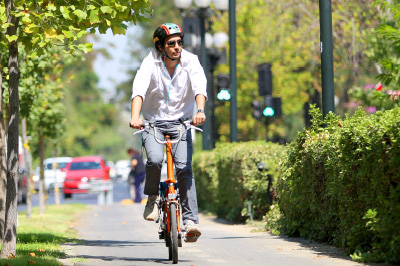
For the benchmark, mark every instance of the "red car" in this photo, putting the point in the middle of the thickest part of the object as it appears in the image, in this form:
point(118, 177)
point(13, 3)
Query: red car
point(81, 170)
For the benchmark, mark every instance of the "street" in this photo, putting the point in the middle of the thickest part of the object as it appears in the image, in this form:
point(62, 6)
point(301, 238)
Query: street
point(120, 193)
point(118, 235)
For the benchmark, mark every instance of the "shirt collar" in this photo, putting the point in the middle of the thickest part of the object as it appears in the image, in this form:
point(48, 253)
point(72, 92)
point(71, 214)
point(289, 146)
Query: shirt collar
point(184, 57)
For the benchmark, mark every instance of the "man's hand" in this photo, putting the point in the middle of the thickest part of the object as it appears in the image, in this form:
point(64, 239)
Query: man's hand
point(199, 119)
point(136, 123)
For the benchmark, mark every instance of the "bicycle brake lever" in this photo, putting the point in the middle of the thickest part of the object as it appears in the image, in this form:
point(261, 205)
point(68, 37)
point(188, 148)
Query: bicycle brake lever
point(137, 132)
point(196, 128)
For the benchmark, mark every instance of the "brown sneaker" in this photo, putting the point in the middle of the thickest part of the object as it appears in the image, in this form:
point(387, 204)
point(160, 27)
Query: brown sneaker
point(151, 210)
point(192, 231)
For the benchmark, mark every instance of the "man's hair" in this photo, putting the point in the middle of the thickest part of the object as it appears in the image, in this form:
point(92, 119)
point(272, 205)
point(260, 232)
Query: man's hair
point(130, 150)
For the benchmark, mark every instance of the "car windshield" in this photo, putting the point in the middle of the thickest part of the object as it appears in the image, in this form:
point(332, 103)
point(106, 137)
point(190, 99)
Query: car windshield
point(60, 165)
point(85, 166)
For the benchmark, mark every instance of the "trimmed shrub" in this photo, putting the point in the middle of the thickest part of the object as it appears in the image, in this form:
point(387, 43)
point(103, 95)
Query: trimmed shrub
point(227, 178)
point(340, 184)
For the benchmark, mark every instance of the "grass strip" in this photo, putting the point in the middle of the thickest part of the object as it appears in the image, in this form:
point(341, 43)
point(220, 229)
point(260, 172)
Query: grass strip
point(39, 238)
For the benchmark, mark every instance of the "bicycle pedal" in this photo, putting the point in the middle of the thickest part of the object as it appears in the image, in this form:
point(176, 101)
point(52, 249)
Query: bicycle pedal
point(179, 241)
point(191, 238)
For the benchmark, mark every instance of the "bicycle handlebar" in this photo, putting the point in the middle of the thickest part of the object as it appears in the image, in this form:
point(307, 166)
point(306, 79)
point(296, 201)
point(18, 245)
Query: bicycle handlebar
point(147, 124)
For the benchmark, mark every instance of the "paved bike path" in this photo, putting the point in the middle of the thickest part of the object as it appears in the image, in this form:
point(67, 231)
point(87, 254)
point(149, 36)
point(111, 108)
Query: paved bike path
point(118, 235)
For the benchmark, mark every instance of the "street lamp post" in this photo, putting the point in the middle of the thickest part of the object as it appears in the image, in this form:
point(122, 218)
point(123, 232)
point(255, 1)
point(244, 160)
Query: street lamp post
point(328, 93)
point(216, 54)
point(232, 67)
point(204, 11)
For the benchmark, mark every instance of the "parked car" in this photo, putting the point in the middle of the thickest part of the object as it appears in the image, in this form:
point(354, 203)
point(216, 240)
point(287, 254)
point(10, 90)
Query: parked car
point(112, 169)
point(122, 169)
point(51, 176)
point(81, 170)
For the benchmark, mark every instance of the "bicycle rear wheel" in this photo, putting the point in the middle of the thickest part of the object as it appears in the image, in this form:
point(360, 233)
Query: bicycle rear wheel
point(173, 248)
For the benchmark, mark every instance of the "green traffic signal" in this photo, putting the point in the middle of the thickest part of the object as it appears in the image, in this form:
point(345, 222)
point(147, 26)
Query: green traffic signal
point(268, 111)
point(224, 95)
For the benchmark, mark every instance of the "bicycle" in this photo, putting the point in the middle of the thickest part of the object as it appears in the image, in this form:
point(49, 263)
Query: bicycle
point(169, 205)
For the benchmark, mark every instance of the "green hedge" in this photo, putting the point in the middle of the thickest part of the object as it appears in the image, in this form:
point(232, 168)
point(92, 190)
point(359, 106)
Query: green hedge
point(227, 178)
point(340, 184)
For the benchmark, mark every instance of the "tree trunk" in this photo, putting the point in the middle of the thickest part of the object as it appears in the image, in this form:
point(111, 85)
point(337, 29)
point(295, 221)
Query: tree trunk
point(27, 169)
point(3, 167)
point(9, 247)
point(42, 187)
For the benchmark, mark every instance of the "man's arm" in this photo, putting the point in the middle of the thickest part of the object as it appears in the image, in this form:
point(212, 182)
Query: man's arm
point(134, 162)
point(200, 117)
point(136, 121)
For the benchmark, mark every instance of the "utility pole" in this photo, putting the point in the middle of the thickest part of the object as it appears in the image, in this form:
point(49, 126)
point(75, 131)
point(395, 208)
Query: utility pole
point(326, 45)
point(232, 67)
point(207, 127)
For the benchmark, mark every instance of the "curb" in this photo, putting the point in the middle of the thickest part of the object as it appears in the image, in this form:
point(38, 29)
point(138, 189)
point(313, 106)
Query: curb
point(69, 249)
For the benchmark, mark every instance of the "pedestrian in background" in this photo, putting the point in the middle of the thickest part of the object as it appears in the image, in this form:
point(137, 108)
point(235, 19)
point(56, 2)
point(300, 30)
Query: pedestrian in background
point(137, 175)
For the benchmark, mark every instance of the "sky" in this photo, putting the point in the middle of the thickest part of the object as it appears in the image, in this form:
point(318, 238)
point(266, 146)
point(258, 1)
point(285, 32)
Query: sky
point(112, 71)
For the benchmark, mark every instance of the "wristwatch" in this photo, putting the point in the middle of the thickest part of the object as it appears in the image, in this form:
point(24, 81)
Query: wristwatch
point(200, 111)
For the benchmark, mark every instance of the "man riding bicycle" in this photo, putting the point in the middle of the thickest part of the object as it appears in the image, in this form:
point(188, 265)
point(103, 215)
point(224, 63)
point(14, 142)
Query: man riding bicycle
point(170, 80)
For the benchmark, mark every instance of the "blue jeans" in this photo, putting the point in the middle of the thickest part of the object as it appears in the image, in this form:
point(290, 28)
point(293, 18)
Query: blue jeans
point(182, 155)
point(138, 187)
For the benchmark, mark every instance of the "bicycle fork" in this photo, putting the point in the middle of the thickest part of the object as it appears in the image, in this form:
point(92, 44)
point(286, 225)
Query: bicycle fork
point(171, 197)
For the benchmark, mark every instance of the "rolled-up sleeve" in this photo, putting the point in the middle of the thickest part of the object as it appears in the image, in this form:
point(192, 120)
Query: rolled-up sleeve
point(142, 79)
point(198, 78)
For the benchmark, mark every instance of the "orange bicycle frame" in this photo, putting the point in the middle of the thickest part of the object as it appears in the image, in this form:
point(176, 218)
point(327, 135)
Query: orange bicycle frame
point(171, 188)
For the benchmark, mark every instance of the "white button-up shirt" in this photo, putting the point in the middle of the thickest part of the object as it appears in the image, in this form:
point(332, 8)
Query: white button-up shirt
point(166, 98)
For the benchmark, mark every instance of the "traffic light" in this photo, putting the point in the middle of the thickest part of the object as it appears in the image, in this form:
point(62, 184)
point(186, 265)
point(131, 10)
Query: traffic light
point(269, 108)
point(223, 84)
point(273, 107)
point(264, 79)
point(256, 109)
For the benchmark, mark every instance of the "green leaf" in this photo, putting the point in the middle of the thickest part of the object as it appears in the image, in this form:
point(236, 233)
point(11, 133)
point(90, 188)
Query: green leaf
point(68, 34)
point(11, 38)
point(80, 14)
point(35, 40)
point(20, 14)
point(81, 33)
point(33, 55)
point(121, 29)
point(26, 19)
point(6, 25)
point(49, 15)
point(65, 12)
point(94, 16)
point(142, 19)
point(86, 48)
point(109, 2)
point(51, 7)
point(106, 9)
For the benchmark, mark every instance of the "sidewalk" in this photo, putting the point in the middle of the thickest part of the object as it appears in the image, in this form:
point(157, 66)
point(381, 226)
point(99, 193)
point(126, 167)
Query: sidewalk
point(117, 235)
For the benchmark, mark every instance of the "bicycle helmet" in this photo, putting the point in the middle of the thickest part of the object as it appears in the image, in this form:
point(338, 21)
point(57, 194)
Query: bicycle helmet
point(162, 32)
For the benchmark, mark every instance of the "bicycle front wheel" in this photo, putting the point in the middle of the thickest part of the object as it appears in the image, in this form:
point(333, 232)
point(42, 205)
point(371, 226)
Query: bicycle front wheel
point(173, 249)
